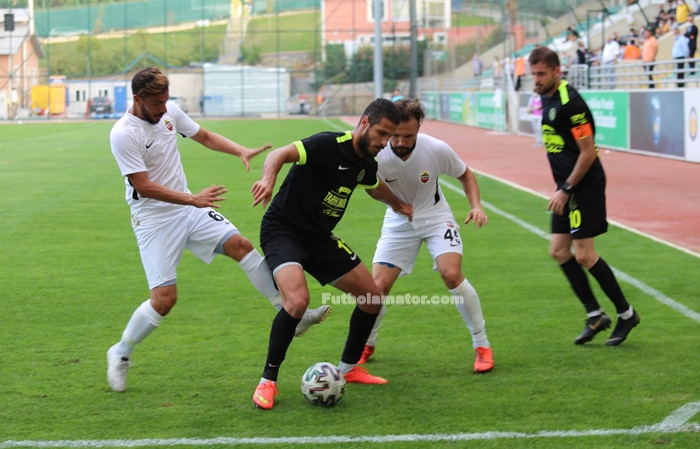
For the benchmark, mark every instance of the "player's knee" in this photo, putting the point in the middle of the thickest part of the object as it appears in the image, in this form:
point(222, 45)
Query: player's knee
point(452, 277)
point(164, 302)
point(561, 255)
point(586, 259)
point(237, 247)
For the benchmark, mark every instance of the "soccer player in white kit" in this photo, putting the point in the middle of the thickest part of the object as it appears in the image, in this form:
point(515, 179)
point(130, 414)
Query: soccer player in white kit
point(167, 218)
point(411, 166)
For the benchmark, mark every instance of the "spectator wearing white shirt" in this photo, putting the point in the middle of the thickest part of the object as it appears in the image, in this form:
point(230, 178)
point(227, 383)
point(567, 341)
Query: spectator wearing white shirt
point(611, 53)
point(680, 51)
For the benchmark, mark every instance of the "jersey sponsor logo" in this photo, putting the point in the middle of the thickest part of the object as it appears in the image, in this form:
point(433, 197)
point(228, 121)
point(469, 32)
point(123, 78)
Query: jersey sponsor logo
point(149, 145)
point(340, 167)
point(582, 131)
point(335, 202)
point(424, 177)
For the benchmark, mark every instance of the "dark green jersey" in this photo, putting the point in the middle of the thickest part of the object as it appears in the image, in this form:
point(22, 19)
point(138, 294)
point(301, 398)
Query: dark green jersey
point(317, 189)
point(566, 119)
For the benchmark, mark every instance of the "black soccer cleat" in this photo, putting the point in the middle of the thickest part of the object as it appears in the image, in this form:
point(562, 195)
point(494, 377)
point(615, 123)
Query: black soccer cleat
point(594, 325)
point(622, 329)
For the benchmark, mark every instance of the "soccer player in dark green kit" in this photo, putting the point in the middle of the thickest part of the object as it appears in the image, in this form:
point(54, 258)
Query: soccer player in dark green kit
point(296, 233)
point(578, 204)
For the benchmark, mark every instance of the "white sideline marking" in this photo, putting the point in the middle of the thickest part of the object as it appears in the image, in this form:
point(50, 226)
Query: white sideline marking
point(676, 422)
point(663, 299)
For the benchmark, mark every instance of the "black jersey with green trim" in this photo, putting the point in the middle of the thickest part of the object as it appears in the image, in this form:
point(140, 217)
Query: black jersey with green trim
point(563, 114)
point(317, 189)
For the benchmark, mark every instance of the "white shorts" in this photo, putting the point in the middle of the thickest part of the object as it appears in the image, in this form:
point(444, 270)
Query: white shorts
point(162, 241)
point(399, 245)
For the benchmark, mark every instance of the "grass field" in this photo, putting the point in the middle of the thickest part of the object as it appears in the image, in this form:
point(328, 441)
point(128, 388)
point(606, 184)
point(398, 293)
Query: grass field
point(71, 277)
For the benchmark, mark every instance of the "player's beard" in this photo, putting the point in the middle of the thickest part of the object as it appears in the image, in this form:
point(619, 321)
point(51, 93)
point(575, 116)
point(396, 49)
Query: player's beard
point(364, 145)
point(402, 151)
point(148, 117)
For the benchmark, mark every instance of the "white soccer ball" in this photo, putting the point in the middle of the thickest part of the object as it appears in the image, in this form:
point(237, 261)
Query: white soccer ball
point(323, 384)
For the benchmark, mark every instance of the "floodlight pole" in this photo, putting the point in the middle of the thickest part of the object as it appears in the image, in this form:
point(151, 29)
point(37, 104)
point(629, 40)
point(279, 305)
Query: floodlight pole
point(413, 69)
point(378, 63)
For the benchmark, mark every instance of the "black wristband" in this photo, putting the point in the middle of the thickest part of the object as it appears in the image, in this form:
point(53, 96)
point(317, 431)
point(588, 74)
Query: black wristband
point(567, 188)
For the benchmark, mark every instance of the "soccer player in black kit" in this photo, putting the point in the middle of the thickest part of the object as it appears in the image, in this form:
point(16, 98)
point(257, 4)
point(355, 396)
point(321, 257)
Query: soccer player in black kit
point(578, 204)
point(296, 233)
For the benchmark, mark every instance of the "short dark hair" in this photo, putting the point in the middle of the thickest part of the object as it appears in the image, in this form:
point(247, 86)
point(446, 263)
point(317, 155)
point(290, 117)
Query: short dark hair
point(382, 108)
point(148, 82)
point(546, 55)
point(410, 108)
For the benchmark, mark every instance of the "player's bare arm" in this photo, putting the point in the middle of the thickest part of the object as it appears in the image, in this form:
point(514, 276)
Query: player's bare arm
point(262, 190)
point(587, 155)
point(146, 188)
point(471, 190)
point(384, 194)
point(217, 142)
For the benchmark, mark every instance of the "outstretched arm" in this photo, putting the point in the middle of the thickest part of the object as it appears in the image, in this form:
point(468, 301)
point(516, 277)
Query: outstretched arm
point(145, 188)
point(384, 194)
point(262, 190)
point(471, 189)
point(217, 142)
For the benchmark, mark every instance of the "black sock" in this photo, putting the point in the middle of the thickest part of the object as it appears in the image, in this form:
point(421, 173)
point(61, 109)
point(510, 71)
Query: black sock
point(361, 324)
point(606, 278)
point(281, 335)
point(579, 283)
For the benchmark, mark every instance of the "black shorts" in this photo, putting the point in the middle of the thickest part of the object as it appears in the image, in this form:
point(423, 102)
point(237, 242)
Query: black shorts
point(584, 216)
point(326, 260)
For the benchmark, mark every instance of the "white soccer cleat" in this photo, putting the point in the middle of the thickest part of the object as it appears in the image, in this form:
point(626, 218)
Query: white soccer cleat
point(117, 369)
point(311, 317)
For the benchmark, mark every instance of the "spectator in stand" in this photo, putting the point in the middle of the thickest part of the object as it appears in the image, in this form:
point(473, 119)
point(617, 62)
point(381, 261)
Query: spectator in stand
point(680, 51)
point(534, 108)
point(477, 65)
point(671, 11)
point(692, 34)
point(611, 52)
point(694, 7)
point(665, 27)
point(660, 18)
point(497, 67)
point(649, 50)
point(632, 51)
point(672, 24)
point(682, 12)
point(519, 71)
point(581, 53)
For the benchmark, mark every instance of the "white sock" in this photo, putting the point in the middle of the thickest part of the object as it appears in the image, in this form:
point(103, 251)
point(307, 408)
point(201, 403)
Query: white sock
point(469, 307)
point(263, 380)
point(345, 367)
point(143, 321)
point(372, 340)
point(626, 315)
point(595, 313)
point(257, 270)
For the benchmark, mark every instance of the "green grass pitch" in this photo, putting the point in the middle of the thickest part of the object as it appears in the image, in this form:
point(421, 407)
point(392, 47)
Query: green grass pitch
point(70, 277)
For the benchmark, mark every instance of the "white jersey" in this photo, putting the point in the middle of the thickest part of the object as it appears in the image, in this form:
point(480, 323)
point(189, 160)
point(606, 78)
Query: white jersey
point(415, 180)
point(139, 146)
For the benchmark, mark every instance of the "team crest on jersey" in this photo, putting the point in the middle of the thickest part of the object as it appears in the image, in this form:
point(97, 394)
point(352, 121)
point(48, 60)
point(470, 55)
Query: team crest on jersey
point(425, 177)
point(361, 175)
point(552, 114)
point(168, 124)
